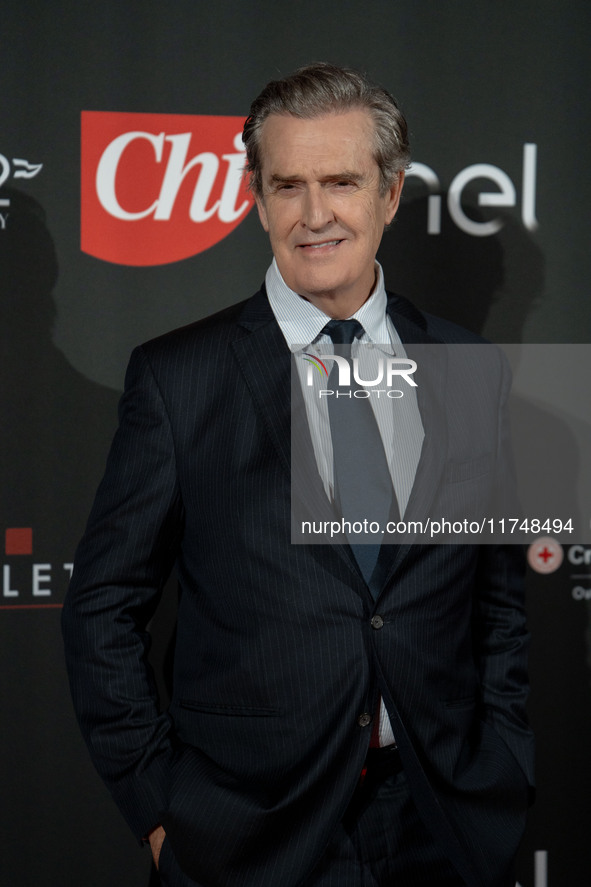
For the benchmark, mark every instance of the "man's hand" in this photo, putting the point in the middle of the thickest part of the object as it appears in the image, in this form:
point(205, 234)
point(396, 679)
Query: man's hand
point(156, 837)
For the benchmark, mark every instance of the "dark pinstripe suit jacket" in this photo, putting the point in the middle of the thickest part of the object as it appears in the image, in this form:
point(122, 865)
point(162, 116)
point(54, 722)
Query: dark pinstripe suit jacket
point(276, 658)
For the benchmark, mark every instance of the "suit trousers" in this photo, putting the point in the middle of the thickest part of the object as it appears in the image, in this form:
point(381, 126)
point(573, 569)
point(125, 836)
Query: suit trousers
point(380, 842)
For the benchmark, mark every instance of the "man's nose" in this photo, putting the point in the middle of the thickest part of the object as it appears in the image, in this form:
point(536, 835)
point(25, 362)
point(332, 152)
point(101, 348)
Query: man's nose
point(316, 209)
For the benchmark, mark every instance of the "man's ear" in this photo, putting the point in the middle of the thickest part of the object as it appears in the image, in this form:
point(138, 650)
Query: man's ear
point(394, 197)
point(262, 211)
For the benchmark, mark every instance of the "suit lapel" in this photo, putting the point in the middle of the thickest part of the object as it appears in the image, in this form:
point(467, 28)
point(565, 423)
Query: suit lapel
point(431, 360)
point(431, 377)
point(265, 362)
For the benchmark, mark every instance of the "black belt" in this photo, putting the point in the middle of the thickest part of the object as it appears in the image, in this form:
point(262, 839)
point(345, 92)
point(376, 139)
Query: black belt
point(381, 763)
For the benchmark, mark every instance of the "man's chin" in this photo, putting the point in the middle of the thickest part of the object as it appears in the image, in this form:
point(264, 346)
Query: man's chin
point(321, 293)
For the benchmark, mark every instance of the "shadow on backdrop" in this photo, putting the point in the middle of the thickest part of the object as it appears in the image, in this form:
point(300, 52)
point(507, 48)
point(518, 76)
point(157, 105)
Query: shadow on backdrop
point(56, 429)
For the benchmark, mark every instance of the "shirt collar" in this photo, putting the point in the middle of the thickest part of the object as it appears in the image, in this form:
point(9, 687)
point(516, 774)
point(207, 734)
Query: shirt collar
point(301, 322)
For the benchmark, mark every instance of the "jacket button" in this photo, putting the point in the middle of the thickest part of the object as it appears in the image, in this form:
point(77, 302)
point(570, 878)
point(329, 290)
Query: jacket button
point(377, 622)
point(364, 719)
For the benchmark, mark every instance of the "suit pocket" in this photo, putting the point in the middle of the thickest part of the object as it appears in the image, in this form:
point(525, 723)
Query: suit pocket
point(218, 708)
point(219, 730)
point(465, 702)
point(458, 472)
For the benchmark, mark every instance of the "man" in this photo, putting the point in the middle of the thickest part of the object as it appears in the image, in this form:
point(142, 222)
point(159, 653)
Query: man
point(292, 660)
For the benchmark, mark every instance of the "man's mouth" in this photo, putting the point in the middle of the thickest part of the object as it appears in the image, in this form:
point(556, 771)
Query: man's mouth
point(320, 245)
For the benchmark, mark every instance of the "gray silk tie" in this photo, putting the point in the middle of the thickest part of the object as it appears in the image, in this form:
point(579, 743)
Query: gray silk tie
point(362, 482)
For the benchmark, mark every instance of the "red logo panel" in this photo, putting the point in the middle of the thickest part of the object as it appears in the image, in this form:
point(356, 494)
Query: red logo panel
point(158, 188)
point(18, 540)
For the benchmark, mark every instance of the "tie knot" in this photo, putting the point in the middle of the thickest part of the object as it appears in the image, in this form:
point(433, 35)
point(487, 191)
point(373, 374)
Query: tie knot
point(342, 332)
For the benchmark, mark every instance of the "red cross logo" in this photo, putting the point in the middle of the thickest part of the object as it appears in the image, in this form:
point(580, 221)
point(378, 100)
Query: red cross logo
point(545, 555)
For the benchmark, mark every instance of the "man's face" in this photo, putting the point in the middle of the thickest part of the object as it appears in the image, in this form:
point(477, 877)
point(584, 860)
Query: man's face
point(321, 206)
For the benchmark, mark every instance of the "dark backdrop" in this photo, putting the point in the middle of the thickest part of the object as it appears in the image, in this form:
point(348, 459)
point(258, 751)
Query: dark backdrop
point(478, 81)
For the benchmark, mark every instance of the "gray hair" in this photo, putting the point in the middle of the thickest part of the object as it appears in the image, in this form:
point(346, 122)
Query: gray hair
point(320, 89)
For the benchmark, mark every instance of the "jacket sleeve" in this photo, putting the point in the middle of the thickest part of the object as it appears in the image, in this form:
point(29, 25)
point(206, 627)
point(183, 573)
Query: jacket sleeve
point(501, 635)
point(120, 568)
point(502, 643)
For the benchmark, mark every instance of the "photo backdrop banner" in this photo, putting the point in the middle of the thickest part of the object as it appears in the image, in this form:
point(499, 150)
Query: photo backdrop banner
point(123, 215)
